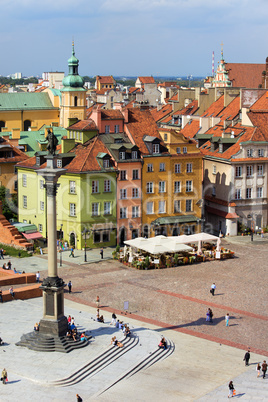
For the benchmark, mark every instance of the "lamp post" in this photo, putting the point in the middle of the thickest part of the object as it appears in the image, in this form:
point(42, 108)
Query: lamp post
point(85, 231)
point(60, 244)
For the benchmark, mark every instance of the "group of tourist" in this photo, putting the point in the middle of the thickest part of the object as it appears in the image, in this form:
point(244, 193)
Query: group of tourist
point(7, 265)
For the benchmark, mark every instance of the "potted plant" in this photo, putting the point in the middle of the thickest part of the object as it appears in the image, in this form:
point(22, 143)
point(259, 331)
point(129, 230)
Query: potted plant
point(176, 259)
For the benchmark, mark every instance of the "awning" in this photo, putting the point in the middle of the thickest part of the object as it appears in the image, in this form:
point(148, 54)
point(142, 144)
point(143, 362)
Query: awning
point(175, 219)
point(223, 214)
point(32, 236)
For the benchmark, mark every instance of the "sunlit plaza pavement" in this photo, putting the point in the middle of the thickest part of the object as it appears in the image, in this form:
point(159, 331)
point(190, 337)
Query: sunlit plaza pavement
point(169, 302)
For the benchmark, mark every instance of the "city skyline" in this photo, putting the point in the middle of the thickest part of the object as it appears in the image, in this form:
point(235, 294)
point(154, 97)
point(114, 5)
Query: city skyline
point(132, 38)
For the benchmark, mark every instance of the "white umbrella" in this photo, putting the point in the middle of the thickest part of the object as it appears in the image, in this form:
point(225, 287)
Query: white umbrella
point(155, 248)
point(177, 247)
point(199, 250)
point(139, 241)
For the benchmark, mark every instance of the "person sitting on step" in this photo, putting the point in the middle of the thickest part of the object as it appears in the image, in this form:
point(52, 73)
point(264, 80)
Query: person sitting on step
point(115, 342)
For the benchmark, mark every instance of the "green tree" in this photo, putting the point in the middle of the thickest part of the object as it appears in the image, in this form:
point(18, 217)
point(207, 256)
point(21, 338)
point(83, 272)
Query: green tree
point(9, 203)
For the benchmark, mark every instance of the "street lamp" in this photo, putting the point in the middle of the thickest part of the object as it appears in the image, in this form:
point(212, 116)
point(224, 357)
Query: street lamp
point(61, 236)
point(85, 231)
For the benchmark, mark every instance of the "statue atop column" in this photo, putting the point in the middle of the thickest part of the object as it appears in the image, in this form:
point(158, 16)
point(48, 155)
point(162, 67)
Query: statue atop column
point(52, 142)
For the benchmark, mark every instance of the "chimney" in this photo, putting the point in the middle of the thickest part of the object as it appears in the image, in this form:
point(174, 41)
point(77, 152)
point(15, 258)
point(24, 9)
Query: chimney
point(96, 116)
point(125, 114)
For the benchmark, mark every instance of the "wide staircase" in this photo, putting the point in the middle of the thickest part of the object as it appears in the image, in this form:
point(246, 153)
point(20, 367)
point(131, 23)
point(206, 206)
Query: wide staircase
point(10, 235)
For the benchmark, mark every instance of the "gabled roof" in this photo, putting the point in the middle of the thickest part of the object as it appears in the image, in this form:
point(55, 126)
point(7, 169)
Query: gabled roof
point(215, 108)
point(147, 80)
point(261, 104)
point(84, 125)
point(18, 155)
point(25, 101)
point(141, 123)
point(132, 90)
point(105, 79)
point(260, 121)
point(245, 74)
point(163, 112)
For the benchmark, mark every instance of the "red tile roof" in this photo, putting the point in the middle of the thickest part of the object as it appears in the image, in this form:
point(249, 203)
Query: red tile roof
point(140, 124)
point(215, 108)
point(261, 104)
point(83, 125)
point(260, 121)
point(147, 80)
point(175, 97)
point(111, 114)
point(163, 112)
point(190, 109)
point(191, 129)
point(231, 111)
point(245, 74)
point(103, 79)
point(133, 89)
point(18, 155)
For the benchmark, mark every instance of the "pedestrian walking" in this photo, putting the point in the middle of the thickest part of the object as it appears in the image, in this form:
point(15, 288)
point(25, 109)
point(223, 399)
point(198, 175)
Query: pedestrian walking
point(72, 252)
point(227, 317)
point(37, 276)
point(246, 358)
point(258, 369)
point(98, 301)
point(210, 315)
point(2, 253)
point(79, 399)
point(264, 368)
point(231, 389)
point(213, 288)
point(4, 376)
point(101, 253)
point(70, 286)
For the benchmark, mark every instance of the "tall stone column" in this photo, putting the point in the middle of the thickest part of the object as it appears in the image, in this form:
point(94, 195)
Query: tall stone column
point(54, 322)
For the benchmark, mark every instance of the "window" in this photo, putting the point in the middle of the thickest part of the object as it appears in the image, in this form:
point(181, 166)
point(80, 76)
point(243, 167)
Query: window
point(95, 186)
point(177, 206)
point(150, 208)
point(162, 187)
point(259, 192)
point(178, 150)
point(123, 213)
point(40, 228)
point(135, 212)
point(122, 155)
point(95, 208)
point(116, 128)
point(185, 150)
point(80, 136)
point(189, 168)
point(214, 169)
point(72, 209)
point(24, 180)
point(214, 191)
point(77, 135)
point(249, 170)
point(123, 175)
point(249, 193)
point(150, 167)
point(149, 187)
point(41, 184)
point(155, 148)
point(106, 163)
point(188, 205)
point(134, 155)
point(221, 147)
point(238, 171)
point(42, 205)
point(162, 167)
point(24, 199)
point(249, 153)
point(123, 193)
point(59, 163)
point(189, 186)
point(105, 237)
point(107, 186)
point(135, 192)
point(238, 194)
point(177, 167)
point(72, 187)
point(161, 207)
point(97, 237)
point(260, 153)
point(107, 208)
point(38, 160)
point(260, 170)
point(165, 137)
point(107, 129)
point(135, 174)
point(177, 186)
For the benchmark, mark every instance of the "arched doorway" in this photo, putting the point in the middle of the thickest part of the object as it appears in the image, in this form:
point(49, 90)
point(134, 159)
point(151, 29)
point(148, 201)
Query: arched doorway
point(2, 124)
point(27, 125)
point(122, 236)
point(72, 239)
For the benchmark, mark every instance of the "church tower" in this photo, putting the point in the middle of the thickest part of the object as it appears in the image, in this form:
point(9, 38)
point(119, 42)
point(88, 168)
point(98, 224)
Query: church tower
point(73, 94)
point(221, 78)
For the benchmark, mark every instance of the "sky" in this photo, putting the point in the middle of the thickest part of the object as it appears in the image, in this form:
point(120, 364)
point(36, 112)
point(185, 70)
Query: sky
point(131, 37)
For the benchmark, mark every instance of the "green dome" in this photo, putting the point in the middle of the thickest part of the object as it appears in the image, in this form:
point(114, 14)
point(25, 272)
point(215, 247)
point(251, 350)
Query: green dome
point(73, 79)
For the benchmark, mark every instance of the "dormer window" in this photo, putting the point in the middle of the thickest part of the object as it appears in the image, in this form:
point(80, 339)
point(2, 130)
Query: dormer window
point(134, 155)
point(156, 149)
point(220, 147)
point(122, 155)
point(106, 163)
point(250, 153)
point(260, 153)
point(38, 160)
point(59, 163)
